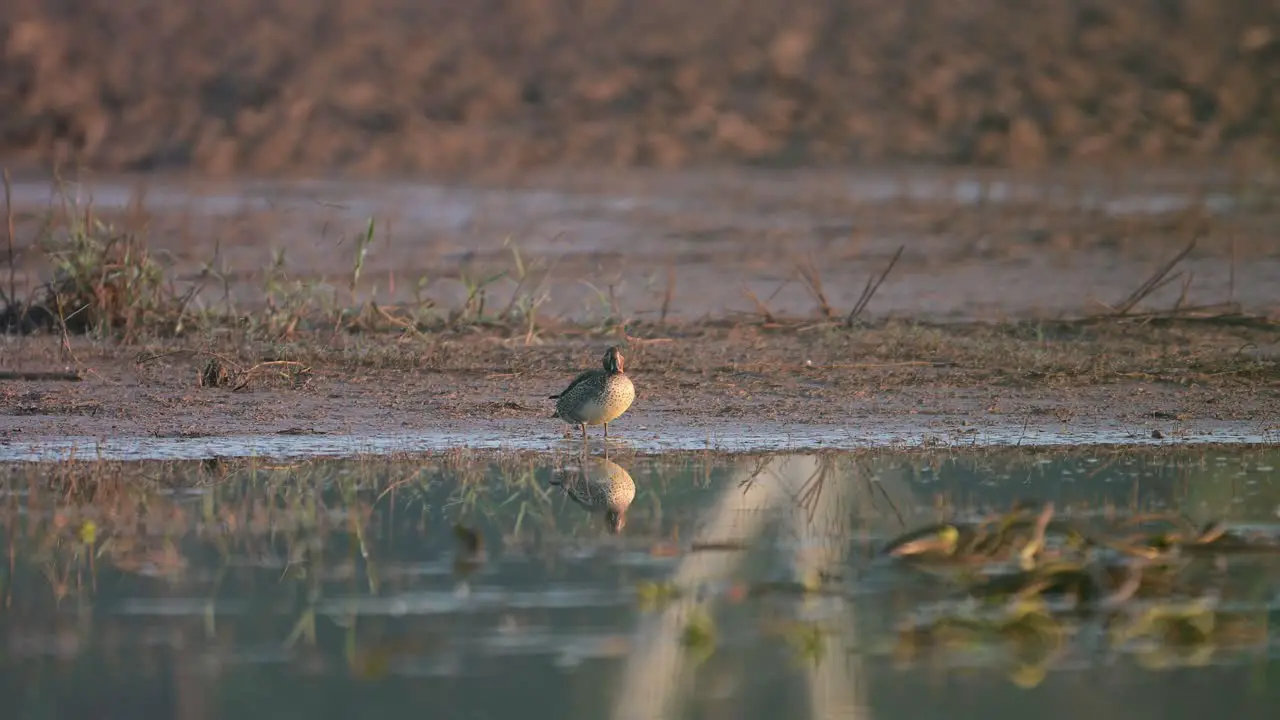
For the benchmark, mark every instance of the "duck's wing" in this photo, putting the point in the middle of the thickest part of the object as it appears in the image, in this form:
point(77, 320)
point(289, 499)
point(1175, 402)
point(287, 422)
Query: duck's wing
point(582, 496)
point(581, 376)
point(576, 491)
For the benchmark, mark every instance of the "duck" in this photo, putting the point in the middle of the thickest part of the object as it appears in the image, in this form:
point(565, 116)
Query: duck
point(608, 489)
point(597, 397)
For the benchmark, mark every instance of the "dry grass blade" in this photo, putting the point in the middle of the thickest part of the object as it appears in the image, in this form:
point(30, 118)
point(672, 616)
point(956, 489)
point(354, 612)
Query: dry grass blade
point(297, 368)
point(1157, 280)
point(869, 290)
point(404, 325)
point(1186, 288)
point(10, 297)
point(667, 293)
point(1231, 280)
point(761, 308)
point(812, 279)
point(215, 373)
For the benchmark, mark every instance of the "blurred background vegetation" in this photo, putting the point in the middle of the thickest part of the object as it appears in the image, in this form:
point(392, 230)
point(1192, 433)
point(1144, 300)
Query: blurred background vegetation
point(402, 86)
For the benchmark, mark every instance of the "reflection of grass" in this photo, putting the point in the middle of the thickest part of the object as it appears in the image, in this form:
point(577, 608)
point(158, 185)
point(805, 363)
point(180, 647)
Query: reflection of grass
point(311, 520)
point(301, 533)
point(276, 555)
point(124, 510)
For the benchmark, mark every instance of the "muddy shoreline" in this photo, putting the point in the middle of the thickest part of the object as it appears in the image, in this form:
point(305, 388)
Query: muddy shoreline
point(745, 389)
point(729, 293)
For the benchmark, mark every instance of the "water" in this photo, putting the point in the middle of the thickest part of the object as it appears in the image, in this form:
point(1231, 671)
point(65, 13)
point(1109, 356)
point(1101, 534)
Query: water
point(979, 245)
point(708, 436)
point(453, 206)
point(340, 589)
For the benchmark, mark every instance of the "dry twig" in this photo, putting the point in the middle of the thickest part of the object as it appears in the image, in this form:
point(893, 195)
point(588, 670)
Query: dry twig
point(667, 293)
point(869, 290)
point(247, 375)
point(761, 308)
point(11, 297)
point(1155, 282)
point(812, 278)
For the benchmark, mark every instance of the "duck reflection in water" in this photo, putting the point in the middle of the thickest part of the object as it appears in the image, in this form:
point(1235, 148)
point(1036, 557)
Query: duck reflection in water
point(602, 486)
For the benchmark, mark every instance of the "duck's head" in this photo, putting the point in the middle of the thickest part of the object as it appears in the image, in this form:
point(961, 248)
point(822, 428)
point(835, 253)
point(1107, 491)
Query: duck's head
point(616, 521)
point(613, 360)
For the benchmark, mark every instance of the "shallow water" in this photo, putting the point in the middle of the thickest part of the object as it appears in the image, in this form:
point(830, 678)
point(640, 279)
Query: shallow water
point(456, 206)
point(338, 589)
point(760, 436)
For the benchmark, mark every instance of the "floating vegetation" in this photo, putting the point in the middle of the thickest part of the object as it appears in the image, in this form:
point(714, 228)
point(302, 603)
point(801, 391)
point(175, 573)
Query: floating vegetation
point(699, 635)
point(653, 595)
point(1028, 582)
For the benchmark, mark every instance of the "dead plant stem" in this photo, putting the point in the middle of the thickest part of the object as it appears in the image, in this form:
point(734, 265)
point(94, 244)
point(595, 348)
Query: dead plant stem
point(12, 295)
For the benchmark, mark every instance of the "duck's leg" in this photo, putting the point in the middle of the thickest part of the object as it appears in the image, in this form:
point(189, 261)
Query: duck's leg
point(606, 433)
point(584, 432)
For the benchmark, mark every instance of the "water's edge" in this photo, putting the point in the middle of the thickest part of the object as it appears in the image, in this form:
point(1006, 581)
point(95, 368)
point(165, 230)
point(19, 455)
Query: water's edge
point(777, 437)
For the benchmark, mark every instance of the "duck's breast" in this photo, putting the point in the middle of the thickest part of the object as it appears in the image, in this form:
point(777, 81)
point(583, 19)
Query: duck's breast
point(618, 396)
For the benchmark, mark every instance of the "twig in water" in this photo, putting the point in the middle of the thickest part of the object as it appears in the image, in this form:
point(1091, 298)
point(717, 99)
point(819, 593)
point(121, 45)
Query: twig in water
point(1155, 282)
point(877, 485)
point(869, 290)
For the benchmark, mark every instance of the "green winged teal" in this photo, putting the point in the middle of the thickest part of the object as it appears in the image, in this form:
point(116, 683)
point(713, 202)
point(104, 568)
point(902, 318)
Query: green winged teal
point(596, 397)
point(606, 488)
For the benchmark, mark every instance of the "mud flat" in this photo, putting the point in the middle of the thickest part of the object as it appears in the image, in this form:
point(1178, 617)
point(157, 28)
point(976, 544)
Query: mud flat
point(1021, 309)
